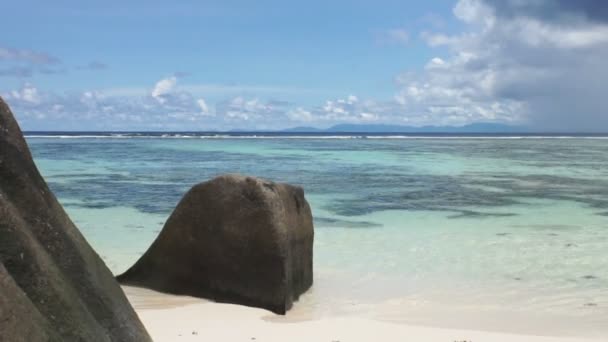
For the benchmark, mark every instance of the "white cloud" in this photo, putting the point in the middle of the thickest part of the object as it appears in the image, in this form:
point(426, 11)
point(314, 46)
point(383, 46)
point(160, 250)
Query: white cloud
point(368, 116)
point(168, 109)
point(251, 112)
point(349, 109)
point(300, 114)
point(474, 12)
point(541, 62)
point(438, 39)
point(163, 87)
point(203, 105)
point(28, 94)
point(436, 63)
point(538, 34)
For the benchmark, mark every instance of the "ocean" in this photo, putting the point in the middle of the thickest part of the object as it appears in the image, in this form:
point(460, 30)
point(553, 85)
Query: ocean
point(486, 231)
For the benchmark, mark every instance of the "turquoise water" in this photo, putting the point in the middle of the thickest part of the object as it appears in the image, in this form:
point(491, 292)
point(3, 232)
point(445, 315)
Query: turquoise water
point(482, 233)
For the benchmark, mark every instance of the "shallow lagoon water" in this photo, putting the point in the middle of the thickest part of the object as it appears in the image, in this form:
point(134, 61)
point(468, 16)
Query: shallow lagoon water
point(482, 233)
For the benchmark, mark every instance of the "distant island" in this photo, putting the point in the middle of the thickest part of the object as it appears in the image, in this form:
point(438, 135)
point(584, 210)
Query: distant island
point(478, 128)
point(386, 128)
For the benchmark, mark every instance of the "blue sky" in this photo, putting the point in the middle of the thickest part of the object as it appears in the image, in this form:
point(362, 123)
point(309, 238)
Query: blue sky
point(208, 65)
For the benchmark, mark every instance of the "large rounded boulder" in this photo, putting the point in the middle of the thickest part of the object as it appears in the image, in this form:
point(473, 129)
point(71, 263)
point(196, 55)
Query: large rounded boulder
point(53, 286)
point(233, 239)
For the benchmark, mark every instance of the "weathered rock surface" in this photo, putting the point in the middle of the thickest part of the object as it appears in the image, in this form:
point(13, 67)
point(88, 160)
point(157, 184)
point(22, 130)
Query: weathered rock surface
point(53, 286)
point(233, 239)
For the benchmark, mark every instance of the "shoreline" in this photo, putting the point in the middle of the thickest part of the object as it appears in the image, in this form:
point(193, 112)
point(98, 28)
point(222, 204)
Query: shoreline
point(182, 318)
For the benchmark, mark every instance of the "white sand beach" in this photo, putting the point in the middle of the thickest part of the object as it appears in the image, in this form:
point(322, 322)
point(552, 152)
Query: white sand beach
point(180, 318)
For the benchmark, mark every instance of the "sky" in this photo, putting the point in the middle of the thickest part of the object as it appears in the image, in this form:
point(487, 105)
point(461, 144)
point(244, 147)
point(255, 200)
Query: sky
point(269, 64)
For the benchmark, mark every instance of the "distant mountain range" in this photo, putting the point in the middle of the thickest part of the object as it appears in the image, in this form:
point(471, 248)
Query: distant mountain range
point(382, 128)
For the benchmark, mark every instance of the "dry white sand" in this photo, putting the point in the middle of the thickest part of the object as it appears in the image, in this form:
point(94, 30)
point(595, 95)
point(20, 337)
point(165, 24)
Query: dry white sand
point(171, 318)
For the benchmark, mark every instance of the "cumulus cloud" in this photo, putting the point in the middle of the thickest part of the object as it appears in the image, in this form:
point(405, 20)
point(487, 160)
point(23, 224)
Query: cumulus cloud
point(300, 114)
point(244, 112)
point(349, 109)
point(203, 105)
point(542, 62)
point(448, 93)
point(163, 87)
point(96, 110)
point(27, 94)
